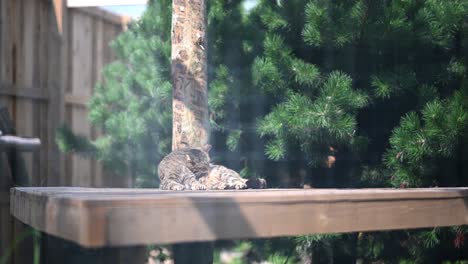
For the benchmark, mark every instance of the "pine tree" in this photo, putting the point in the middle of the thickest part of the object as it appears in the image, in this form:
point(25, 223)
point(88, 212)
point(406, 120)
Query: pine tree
point(133, 102)
point(374, 92)
point(332, 93)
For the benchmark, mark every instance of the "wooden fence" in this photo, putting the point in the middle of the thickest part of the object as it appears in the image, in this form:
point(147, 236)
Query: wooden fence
point(90, 31)
point(50, 59)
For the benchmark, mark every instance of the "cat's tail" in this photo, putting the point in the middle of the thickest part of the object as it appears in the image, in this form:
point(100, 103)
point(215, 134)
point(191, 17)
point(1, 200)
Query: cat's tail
point(257, 183)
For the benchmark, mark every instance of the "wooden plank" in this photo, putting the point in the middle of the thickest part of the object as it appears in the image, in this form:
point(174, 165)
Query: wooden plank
point(24, 126)
point(64, 82)
point(98, 57)
point(121, 217)
point(40, 69)
point(81, 53)
point(17, 40)
point(111, 31)
point(44, 126)
point(24, 92)
point(29, 43)
point(2, 38)
point(7, 51)
point(56, 75)
point(23, 113)
point(77, 100)
point(81, 167)
point(82, 83)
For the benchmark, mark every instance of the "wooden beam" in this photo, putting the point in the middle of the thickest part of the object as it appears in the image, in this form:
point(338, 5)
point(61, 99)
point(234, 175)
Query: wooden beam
point(83, 3)
point(78, 100)
point(23, 92)
point(123, 217)
point(19, 143)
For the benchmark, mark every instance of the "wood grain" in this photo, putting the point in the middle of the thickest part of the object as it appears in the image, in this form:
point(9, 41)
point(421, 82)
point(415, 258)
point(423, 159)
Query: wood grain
point(50, 59)
point(23, 92)
point(123, 217)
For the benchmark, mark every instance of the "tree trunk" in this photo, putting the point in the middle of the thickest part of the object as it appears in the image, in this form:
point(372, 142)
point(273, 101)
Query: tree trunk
point(190, 123)
point(189, 74)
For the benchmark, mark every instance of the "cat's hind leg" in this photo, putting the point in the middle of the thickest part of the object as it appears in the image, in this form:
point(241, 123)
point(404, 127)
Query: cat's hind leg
point(212, 182)
point(190, 180)
point(171, 185)
point(229, 178)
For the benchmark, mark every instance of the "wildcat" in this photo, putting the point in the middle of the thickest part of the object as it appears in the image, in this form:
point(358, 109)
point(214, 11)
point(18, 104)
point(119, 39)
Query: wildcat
point(190, 169)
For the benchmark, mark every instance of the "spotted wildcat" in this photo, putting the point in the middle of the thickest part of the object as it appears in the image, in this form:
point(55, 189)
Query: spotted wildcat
point(190, 169)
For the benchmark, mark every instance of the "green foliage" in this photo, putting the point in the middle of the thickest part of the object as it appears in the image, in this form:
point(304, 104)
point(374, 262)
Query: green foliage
point(336, 24)
point(338, 93)
point(132, 103)
point(69, 142)
point(440, 20)
point(233, 139)
point(418, 141)
point(219, 91)
point(380, 86)
point(316, 240)
point(391, 83)
point(328, 119)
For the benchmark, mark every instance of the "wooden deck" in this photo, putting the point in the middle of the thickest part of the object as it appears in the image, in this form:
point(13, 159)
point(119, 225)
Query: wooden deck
point(123, 217)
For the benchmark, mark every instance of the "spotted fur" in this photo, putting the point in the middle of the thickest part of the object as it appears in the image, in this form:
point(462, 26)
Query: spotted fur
point(190, 169)
point(178, 170)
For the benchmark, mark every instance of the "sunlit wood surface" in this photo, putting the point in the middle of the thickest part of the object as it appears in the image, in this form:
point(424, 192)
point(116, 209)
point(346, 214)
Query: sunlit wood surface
point(122, 217)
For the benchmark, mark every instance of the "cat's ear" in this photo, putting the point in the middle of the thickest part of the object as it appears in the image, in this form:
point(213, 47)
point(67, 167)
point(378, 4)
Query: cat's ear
point(206, 148)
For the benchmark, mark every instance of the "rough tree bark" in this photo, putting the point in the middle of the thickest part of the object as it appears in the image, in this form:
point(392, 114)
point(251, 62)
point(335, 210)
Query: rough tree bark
point(189, 74)
point(190, 122)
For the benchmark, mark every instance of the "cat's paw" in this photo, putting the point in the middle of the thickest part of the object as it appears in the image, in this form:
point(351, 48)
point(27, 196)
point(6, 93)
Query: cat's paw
point(237, 184)
point(197, 186)
point(220, 186)
point(178, 187)
point(240, 185)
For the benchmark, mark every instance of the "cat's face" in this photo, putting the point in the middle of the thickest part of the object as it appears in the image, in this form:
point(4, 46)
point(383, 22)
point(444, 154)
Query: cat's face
point(198, 159)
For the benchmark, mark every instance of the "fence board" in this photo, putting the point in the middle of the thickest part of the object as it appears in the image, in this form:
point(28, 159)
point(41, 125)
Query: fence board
point(43, 65)
point(6, 43)
point(8, 89)
point(92, 52)
point(81, 86)
point(98, 64)
point(29, 42)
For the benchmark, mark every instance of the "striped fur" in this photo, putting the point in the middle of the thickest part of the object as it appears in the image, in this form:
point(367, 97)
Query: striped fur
point(190, 169)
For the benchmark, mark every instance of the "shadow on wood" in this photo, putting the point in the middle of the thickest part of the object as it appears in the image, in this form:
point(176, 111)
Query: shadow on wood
point(187, 253)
